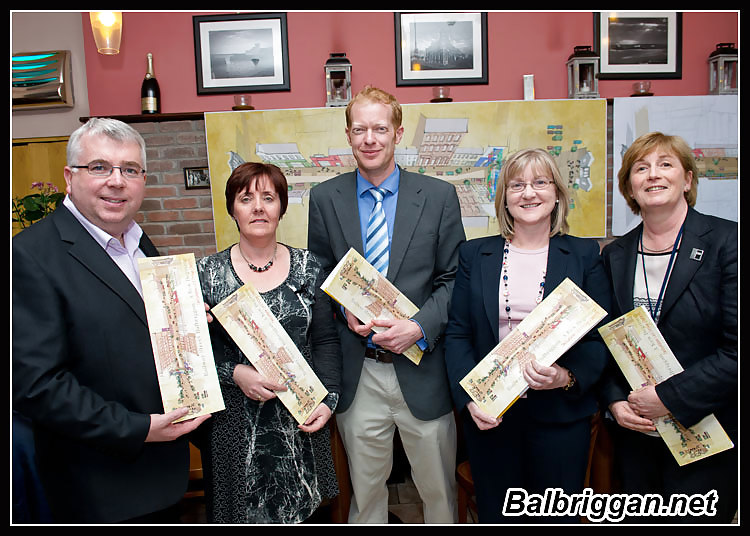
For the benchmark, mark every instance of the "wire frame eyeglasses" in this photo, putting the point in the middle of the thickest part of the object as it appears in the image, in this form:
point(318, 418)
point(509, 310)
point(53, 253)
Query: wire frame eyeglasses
point(105, 169)
point(536, 184)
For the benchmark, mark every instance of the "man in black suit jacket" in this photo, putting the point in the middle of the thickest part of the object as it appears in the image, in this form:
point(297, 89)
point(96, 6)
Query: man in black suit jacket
point(83, 368)
point(383, 390)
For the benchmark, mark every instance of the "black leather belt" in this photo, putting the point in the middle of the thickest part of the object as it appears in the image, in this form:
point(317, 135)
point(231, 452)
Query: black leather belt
point(378, 354)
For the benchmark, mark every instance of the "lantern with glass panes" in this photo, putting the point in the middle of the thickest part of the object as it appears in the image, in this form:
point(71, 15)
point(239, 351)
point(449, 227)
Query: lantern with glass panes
point(583, 73)
point(338, 71)
point(722, 70)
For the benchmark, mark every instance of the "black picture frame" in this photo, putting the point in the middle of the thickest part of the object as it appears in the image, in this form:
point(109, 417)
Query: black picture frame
point(460, 45)
point(196, 178)
point(635, 45)
point(241, 53)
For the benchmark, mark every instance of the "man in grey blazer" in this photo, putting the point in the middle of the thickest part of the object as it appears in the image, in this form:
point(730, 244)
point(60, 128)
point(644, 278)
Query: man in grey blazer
point(382, 389)
point(83, 368)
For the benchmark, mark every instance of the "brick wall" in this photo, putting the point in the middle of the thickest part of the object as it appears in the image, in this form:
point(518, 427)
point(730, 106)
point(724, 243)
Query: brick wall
point(176, 219)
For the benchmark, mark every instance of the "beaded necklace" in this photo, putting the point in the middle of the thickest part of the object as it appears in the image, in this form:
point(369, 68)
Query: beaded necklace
point(259, 268)
point(506, 291)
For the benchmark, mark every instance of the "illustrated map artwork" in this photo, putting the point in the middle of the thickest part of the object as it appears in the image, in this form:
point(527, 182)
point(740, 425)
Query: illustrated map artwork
point(555, 325)
point(710, 126)
point(645, 359)
point(180, 340)
point(264, 341)
point(363, 290)
point(463, 143)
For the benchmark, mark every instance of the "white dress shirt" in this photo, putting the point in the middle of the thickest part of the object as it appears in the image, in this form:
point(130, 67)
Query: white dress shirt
point(125, 257)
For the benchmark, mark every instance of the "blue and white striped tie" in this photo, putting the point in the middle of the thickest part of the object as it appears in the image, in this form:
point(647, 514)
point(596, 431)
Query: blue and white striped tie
point(376, 245)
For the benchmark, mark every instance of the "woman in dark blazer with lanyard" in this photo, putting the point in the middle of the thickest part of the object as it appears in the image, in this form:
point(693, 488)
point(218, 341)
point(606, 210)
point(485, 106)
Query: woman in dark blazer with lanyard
point(682, 265)
point(542, 441)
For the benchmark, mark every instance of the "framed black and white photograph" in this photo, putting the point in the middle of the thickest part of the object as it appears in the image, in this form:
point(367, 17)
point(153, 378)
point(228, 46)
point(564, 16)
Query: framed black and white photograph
point(434, 49)
point(241, 53)
point(196, 177)
point(636, 45)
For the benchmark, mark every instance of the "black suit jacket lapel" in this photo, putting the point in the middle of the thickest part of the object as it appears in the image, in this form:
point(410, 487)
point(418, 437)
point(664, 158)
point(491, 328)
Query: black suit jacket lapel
point(693, 248)
point(147, 247)
point(491, 260)
point(622, 261)
point(92, 257)
point(557, 263)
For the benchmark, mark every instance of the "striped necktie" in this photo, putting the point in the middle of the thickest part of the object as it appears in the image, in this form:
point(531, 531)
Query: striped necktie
point(376, 245)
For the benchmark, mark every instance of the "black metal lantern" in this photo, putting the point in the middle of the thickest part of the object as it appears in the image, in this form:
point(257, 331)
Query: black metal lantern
point(722, 70)
point(583, 74)
point(338, 80)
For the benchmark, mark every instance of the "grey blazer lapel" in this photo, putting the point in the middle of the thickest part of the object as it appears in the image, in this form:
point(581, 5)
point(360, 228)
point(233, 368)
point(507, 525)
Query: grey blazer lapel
point(346, 207)
point(92, 257)
point(411, 200)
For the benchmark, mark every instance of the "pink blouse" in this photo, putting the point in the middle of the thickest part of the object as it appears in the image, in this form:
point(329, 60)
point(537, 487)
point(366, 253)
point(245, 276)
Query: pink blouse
point(526, 271)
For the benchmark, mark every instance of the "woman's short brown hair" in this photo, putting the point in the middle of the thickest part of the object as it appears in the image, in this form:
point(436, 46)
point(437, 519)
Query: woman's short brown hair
point(245, 176)
point(544, 164)
point(645, 145)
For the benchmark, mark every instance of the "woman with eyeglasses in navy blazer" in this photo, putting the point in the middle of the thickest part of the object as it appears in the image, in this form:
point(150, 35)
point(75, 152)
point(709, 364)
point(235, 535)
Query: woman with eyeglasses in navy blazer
point(542, 441)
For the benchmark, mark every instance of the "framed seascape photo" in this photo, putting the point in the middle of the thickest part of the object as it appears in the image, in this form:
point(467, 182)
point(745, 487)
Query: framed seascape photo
point(241, 53)
point(636, 45)
point(438, 49)
point(196, 177)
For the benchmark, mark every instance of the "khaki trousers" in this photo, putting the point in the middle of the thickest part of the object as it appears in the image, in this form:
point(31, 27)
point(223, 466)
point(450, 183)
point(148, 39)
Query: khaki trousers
point(367, 429)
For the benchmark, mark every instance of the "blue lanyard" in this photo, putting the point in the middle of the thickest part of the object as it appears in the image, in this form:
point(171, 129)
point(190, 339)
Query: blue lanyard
point(655, 310)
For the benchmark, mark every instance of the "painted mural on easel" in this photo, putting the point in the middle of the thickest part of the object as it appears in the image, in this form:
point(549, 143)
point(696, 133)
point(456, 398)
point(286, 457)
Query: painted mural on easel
point(462, 143)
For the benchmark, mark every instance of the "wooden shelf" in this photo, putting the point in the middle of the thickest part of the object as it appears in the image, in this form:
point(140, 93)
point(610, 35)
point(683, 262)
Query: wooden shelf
point(152, 118)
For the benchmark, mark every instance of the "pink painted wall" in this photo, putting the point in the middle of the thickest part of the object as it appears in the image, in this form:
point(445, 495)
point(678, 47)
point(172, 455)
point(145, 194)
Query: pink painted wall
point(519, 43)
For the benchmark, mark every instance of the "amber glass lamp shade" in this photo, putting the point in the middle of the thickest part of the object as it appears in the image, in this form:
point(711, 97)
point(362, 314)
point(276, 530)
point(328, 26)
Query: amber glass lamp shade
point(107, 29)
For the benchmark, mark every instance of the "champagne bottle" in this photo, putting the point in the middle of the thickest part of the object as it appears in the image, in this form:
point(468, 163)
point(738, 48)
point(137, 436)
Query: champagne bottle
point(150, 95)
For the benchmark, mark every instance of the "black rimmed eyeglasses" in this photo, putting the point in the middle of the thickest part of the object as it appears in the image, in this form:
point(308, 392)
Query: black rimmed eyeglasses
point(104, 169)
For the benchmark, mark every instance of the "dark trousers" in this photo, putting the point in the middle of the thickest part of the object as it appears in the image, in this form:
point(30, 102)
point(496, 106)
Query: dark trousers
point(528, 454)
point(168, 516)
point(29, 502)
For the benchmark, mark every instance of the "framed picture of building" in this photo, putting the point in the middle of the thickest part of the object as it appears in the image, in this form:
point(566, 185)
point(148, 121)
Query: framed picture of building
point(434, 49)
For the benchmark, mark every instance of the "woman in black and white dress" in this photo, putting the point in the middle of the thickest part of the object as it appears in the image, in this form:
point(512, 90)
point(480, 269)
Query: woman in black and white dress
point(262, 467)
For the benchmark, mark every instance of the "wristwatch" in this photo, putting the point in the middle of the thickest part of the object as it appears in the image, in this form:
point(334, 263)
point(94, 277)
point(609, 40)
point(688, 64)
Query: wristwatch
point(571, 381)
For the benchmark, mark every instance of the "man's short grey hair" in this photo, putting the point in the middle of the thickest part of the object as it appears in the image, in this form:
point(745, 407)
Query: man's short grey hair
point(103, 126)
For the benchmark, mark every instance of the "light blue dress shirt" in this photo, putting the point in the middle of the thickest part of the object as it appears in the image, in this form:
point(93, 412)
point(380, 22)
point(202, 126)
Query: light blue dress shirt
point(365, 203)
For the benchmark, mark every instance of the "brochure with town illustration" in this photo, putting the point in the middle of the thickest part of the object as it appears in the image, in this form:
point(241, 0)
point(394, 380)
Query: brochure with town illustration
point(555, 325)
point(363, 290)
point(645, 359)
point(179, 334)
point(266, 344)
